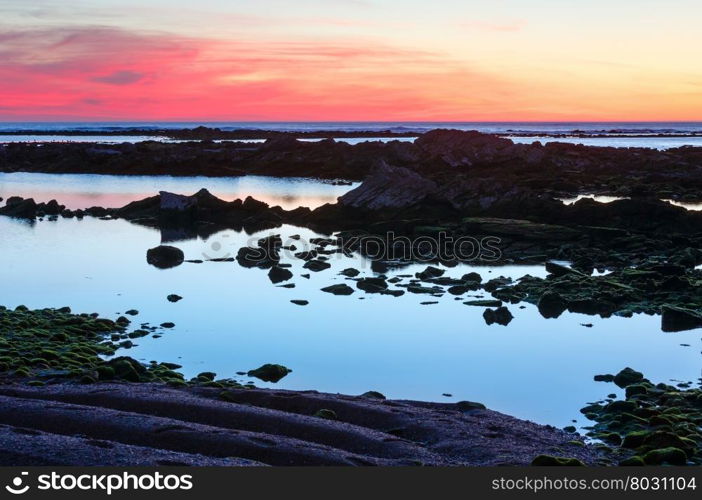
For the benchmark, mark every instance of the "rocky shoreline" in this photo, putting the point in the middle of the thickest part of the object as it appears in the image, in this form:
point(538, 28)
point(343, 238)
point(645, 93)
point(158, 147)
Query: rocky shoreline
point(634, 255)
point(67, 400)
point(62, 386)
point(466, 170)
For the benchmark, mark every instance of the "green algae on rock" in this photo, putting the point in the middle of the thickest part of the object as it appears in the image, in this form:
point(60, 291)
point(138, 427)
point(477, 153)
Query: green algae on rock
point(655, 425)
point(653, 287)
point(53, 345)
point(270, 372)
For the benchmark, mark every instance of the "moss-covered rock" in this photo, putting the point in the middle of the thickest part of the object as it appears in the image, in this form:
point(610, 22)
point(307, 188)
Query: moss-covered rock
point(627, 376)
point(269, 372)
point(326, 414)
point(635, 461)
point(49, 345)
point(658, 421)
point(665, 456)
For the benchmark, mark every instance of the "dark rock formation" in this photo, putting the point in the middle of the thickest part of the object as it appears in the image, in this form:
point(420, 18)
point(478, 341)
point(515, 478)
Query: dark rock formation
point(165, 256)
point(278, 274)
point(340, 289)
point(676, 319)
point(269, 372)
point(155, 425)
point(501, 316)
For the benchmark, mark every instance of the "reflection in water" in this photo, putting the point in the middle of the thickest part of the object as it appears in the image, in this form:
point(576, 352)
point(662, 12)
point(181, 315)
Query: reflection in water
point(232, 319)
point(88, 190)
point(596, 197)
point(118, 139)
point(608, 199)
point(615, 142)
point(696, 207)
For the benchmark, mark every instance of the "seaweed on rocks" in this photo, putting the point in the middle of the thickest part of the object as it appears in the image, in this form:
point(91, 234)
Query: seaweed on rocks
point(655, 424)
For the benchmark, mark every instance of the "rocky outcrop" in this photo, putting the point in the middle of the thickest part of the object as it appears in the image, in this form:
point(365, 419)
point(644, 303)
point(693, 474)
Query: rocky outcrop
point(390, 187)
point(153, 424)
point(21, 208)
point(470, 169)
point(465, 149)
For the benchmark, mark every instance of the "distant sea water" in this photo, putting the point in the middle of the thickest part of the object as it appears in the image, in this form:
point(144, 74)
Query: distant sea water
point(659, 135)
point(531, 128)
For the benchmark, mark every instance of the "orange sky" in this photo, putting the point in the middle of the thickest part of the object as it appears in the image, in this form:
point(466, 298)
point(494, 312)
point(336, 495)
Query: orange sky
point(505, 60)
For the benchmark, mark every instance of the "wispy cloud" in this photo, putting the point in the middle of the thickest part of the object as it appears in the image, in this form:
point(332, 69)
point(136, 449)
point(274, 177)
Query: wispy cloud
point(120, 77)
point(129, 74)
point(497, 27)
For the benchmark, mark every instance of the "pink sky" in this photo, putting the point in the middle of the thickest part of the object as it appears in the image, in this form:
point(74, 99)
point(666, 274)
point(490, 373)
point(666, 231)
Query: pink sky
point(348, 60)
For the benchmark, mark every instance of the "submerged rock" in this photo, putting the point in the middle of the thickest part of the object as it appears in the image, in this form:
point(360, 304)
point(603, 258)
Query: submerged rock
point(165, 257)
point(278, 274)
point(430, 272)
point(174, 298)
point(350, 272)
point(484, 303)
point(372, 285)
point(269, 372)
point(627, 376)
point(340, 289)
point(256, 257)
point(316, 265)
point(501, 316)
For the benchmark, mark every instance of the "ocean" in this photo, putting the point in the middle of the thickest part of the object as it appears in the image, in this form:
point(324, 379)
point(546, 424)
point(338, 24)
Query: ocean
point(530, 128)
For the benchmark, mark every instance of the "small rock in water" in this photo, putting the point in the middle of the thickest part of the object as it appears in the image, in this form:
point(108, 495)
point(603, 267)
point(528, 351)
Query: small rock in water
point(300, 302)
point(586, 325)
point(341, 289)
point(447, 395)
point(428, 303)
point(132, 312)
point(122, 321)
point(269, 372)
point(278, 274)
point(430, 272)
point(627, 377)
point(350, 272)
point(165, 256)
point(501, 316)
point(484, 303)
point(167, 324)
point(316, 265)
point(372, 285)
point(174, 297)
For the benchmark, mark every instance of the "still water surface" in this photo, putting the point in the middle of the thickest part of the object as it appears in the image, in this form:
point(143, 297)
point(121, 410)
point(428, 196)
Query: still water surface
point(111, 191)
point(233, 319)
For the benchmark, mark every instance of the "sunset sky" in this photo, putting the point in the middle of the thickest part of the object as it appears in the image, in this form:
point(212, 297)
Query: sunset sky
point(275, 60)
